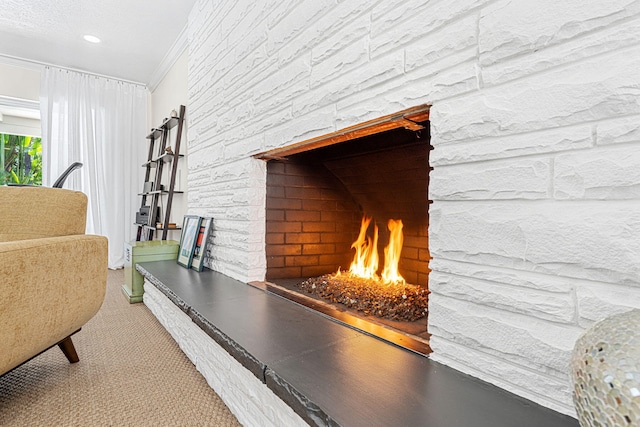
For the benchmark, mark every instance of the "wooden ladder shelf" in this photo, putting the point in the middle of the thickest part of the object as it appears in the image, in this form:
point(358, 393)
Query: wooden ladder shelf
point(147, 218)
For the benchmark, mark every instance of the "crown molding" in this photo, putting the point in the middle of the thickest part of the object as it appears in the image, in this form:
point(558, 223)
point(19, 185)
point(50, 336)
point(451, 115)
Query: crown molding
point(39, 66)
point(178, 47)
point(23, 104)
point(19, 107)
point(21, 62)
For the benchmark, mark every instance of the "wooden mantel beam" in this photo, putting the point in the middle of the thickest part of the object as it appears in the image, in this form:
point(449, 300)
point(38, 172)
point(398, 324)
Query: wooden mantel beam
point(410, 118)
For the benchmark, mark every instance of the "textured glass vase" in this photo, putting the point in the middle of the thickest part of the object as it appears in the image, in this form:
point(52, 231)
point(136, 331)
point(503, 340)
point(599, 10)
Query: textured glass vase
point(605, 367)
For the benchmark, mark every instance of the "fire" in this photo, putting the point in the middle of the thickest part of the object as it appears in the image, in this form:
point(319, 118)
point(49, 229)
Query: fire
point(392, 252)
point(366, 260)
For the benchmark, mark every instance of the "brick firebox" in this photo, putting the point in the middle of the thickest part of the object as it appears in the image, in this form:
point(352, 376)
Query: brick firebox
point(317, 197)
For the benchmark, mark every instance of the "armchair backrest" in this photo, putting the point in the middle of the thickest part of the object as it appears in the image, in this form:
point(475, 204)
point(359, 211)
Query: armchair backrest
point(37, 212)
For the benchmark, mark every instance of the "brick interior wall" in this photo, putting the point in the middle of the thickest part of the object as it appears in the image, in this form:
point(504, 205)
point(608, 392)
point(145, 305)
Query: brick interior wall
point(316, 200)
point(311, 221)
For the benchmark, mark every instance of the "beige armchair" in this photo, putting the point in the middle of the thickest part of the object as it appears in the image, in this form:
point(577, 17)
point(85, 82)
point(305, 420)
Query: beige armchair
point(52, 275)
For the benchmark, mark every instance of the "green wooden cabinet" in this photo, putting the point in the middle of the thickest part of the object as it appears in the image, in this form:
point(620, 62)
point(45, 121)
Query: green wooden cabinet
point(135, 252)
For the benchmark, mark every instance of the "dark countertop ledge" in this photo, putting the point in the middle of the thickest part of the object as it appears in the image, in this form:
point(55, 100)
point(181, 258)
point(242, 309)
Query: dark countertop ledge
point(330, 374)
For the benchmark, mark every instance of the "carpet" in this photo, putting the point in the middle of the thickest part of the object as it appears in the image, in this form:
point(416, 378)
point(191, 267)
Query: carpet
point(131, 373)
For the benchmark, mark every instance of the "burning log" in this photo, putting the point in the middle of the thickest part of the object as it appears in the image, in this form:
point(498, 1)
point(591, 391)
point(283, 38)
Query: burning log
point(396, 301)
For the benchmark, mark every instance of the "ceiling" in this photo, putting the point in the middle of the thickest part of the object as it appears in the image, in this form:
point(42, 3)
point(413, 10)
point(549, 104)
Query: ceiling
point(136, 34)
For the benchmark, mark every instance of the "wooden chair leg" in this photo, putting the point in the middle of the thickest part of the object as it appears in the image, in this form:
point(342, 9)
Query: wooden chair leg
point(66, 345)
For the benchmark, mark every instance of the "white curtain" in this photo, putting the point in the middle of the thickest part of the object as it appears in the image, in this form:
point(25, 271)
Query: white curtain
point(101, 123)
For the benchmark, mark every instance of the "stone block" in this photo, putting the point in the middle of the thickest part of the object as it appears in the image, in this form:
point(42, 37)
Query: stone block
point(344, 25)
point(351, 57)
point(230, 171)
point(604, 173)
point(353, 82)
point(523, 340)
point(617, 131)
point(509, 28)
point(279, 11)
point(421, 86)
point(338, 28)
point(209, 48)
point(296, 21)
point(454, 82)
point(234, 16)
point(362, 107)
point(597, 89)
point(285, 83)
point(597, 301)
point(412, 21)
point(515, 278)
point(305, 127)
point(205, 156)
point(620, 36)
point(233, 117)
point(527, 178)
point(201, 11)
point(390, 13)
point(540, 142)
point(204, 107)
point(537, 386)
point(585, 240)
point(211, 75)
point(246, 26)
point(244, 148)
point(247, 62)
point(557, 307)
point(265, 120)
point(202, 14)
point(243, 88)
point(448, 41)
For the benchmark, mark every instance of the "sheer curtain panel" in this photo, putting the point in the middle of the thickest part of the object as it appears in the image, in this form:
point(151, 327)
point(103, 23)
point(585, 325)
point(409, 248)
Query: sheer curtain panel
point(101, 123)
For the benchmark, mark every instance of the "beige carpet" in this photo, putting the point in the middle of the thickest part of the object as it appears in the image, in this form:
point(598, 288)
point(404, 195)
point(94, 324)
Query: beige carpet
point(131, 373)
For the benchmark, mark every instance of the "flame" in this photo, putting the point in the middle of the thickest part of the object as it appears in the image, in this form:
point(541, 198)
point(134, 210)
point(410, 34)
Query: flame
point(365, 262)
point(392, 253)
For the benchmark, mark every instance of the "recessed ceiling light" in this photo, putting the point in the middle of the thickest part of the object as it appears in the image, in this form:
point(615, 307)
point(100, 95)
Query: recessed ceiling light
point(91, 39)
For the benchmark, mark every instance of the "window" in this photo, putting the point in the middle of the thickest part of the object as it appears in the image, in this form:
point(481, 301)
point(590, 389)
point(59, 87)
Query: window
point(21, 159)
point(20, 143)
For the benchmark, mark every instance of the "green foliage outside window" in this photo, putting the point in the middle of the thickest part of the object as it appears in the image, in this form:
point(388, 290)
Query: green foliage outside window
point(21, 157)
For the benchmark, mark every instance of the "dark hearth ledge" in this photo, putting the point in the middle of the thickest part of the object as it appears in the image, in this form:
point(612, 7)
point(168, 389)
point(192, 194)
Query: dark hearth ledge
point(331, 374)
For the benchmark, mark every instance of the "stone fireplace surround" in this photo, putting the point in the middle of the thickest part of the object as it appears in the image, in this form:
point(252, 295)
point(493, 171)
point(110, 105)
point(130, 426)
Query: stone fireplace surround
point(473, 342)
point(536, 131)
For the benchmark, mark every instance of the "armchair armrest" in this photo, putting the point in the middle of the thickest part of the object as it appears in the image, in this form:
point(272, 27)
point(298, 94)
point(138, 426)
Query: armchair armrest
point(50, 287)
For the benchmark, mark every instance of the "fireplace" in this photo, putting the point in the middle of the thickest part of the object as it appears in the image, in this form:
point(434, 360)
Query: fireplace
point(319, 191)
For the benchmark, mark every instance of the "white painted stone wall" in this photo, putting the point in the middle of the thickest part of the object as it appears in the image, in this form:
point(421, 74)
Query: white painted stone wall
point(535, 225)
